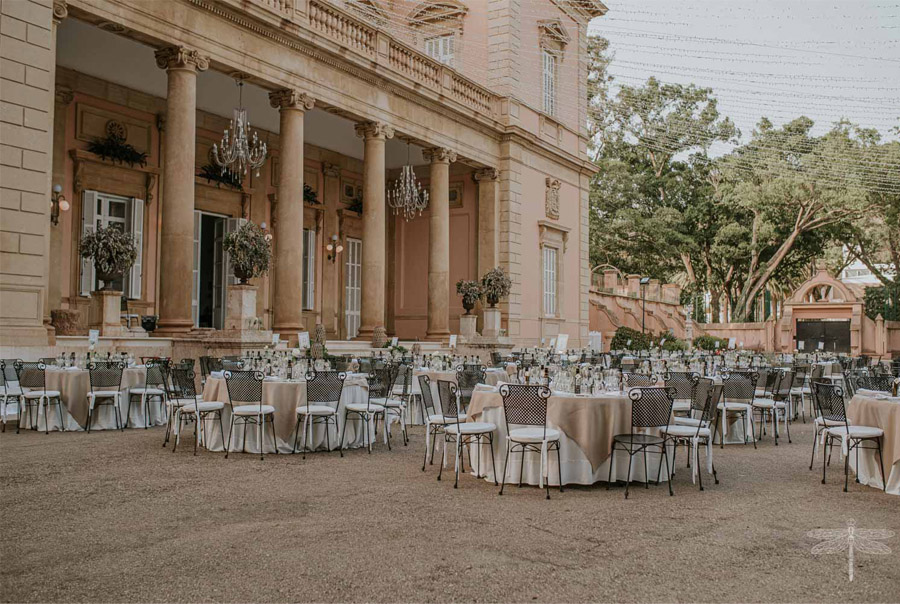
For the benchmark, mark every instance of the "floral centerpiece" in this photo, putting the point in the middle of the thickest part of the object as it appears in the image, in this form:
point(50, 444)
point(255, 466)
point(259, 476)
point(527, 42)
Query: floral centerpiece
point(112, 251)
point(249, 252)
point(495, 286)
point(470, 291)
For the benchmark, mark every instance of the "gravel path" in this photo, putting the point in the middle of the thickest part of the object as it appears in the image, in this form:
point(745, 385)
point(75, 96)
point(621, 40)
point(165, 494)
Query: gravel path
point(112, 516)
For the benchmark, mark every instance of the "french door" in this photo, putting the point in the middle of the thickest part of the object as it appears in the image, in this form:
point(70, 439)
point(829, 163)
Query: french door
point(353, 287)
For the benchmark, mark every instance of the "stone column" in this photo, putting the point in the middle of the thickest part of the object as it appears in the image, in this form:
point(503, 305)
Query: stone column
point(177, 237)
point(373, 250)
point(439, 243)
point(288, 271)
point(64, 97)
point(488, 180)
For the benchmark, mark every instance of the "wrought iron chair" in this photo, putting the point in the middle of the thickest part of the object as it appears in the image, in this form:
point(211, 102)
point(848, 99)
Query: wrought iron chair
point(155, 386)
point(462, 433)
point(879, 383)
point(651, 409)
point(683, 383)
point(9, 389)
point(245, 399)
point(467, 377)
point(208, 365)
point(830, 400)
point(526, 406)
point(768, 407)
point(192, 408)
point(177, 395)
point(106, 386)
point(697, 429)
point(397, 403)
point(738, 392)
point(638, 380)
point(434, 421)
point(232, 364)
point(368, 413)
point(323, 397)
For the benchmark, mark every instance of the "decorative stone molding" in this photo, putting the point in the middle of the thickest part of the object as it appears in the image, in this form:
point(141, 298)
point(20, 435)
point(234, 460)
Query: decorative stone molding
point(551, 203)
point(439, 155)
point(288, 98)
point(331, 170)
point(486, 174)
point(446, 13)
point(554, 36)
point(181, 57)
point(553, 234)
point(151, 183)
point(64, 95)
point(60, 10)
point(367, 130)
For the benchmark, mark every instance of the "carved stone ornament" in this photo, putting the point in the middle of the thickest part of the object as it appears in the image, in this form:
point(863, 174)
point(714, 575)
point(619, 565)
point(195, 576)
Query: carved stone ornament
point(60, 10)
point(180, 57)
point(331, 170)
point(367, 130)
point(287, 98)
point(116, 130)
point(552, 201)
point(439, 154)
point(486, 174)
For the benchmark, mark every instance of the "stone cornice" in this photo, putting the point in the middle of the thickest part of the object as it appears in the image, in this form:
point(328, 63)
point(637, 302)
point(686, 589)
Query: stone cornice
point(369, 130)
point(64, 95)
point(439, 155)
point(181, 57)
point(288, 98)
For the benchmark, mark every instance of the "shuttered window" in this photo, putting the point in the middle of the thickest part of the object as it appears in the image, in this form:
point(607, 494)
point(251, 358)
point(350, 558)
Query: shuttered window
point(125, 213)
point(440, 48)
point(549, 82)
point(550, 281)
point(309, 269)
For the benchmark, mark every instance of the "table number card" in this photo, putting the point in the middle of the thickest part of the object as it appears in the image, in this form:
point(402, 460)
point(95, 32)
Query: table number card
point(562, 342)
point(93, 337)
point(453, 340)
point(395, 341)
point(303, 339)
point(275, 339)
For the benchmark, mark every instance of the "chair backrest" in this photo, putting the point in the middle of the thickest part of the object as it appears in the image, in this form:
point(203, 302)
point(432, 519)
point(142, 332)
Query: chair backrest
point(404, 378)
point(325, 387)
point(425, 390)
point(829, 401)
point(817, 371)
point(448, 394)
point(467, 377)
point(365, 364)
point(106, 375)
point(739, 386)
point(782, 391)
point(378, 388)
point(705, 397)
point(651, 407)
point(881, 383)
point(635, 380)
point(682, 382)
point(496, 358)
point(232, 365)
point(183, 384)
point(156, 373)
point(525, 405)
point(244, 386)
point(9, 371)
point(800, 372)
point(31, 374)
point(187, 363)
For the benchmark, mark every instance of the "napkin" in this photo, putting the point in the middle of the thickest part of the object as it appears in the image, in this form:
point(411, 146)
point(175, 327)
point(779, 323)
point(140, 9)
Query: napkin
point(217, 374)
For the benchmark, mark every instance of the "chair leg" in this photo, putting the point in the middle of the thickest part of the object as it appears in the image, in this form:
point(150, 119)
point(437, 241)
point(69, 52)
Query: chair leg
point(459, 445)
point(824, 455)
point(668, 474)
point(427, 438)
point(752, 435)
point(343, 434)
point(559, 468)
point(522, 466)
point(274, 437)
point(846, 469)
point(177, 432)
point(505, 466)
point(228, 440)
point(880, 463)
point(493, 463)
point(812, 459)
point(628, 477)
point(296, 433)
point(612, 459)
point(646, 471)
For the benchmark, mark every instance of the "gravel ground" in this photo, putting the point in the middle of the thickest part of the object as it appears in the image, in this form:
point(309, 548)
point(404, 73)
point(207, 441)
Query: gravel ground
point(112, 516)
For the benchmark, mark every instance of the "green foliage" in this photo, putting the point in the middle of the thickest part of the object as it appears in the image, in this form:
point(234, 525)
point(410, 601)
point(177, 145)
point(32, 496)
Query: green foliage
point(114, 148)
point(707, 342)
point(310, 196)
point(884, 301)
point(470, 291)
point(639, 341)
point(495, 286)
point(222, 176)
point(672, 344)
point(112, 251)
point(249, 251)
point(356, 205)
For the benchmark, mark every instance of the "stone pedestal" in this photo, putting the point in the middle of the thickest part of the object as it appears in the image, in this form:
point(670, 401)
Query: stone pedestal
point(106, 313)
point(491, 323)
point(240, 307)
point(467, 326)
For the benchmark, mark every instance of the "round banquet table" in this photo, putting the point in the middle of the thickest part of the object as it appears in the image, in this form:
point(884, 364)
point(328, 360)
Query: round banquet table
point(876, 409)
point(75, 384)
point(286, 396)
point(588, 424)
point(416, 409)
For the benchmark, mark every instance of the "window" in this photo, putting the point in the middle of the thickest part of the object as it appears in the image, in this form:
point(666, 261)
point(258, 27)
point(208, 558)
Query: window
point(100, 210)
point(440, 49)
point(549, 81)
point(309, 269)
point(550, 281)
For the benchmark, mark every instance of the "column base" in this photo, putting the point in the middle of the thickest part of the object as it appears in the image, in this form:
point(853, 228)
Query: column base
point(437, 336)
point(173, 327)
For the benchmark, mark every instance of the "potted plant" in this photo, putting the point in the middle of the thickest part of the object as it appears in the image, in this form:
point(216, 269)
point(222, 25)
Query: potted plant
point(249, 252)
point(112, 252)
point(470, 291)
point(495, 286)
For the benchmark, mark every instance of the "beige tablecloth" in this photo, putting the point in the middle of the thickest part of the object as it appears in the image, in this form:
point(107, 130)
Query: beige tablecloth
point(867, 410)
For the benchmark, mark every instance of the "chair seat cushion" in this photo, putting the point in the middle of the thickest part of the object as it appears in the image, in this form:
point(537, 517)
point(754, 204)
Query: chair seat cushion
point(318, 410)
point(393, 403)
point(470, 428)
point(203, 406)
point(686, 431)
point(48, 393)
point(147, 391)
point(10, 409)
point(819, 421)
point(535, 434)
point(681, 406)
point(857, 431)
point(365, 408)
point(638, 439)
point(440, 419)
point(734, 406)
point(253, 410)
point(10, 390)
point(767, 403)
point(797, 390)
point(690, 421)
point(181, 402)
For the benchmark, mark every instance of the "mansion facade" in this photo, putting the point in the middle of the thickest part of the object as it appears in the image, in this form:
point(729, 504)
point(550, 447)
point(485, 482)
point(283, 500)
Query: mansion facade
point(485, 99)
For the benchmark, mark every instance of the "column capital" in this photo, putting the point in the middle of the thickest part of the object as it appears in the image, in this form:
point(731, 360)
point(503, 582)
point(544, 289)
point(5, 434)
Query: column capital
point(486, 174)
point(439, 155)
point(331, 170)
point(64, 95)
point(369, 130)
point(288, 98)
point(181, 57)
point(60, 10)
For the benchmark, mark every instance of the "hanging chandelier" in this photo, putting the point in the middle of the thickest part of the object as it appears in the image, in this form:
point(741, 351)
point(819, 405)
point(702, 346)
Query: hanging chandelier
point(239, 150)
point(407, 196)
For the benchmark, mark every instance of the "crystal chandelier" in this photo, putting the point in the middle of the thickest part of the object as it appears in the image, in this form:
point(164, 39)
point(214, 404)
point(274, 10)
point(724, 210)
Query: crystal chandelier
point(238, 153)
point(407, 196)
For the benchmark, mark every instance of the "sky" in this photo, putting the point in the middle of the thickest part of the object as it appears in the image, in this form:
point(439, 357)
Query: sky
point(775, 58)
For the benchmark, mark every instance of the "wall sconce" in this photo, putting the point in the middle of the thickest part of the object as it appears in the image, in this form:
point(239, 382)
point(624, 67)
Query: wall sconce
point(268, 235)
point(58, 203)
point(334, 248)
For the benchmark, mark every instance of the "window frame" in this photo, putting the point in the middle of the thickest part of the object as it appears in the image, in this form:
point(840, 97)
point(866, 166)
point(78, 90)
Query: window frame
point(549, 81)
point(550, 281)
point(441, 57)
